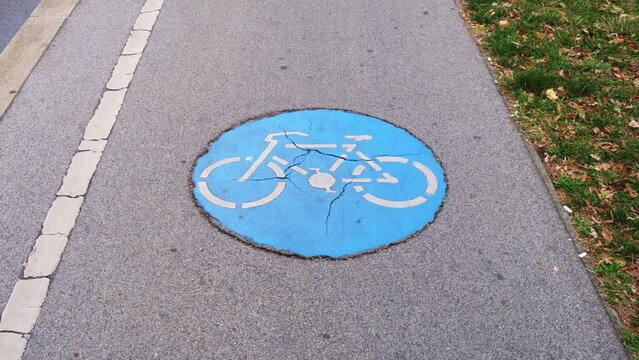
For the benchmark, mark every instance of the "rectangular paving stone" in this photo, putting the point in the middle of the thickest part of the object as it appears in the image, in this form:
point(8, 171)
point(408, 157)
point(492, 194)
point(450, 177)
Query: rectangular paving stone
point(146, 21)
point(92, 145)
point(61, 216)
point(45, 256)
point(99, 127)
point(119, 81)
point(127, 64)
point(152, 5)
point(136, 42)
point(12, 346)
point(79, 174)
point(23, 308)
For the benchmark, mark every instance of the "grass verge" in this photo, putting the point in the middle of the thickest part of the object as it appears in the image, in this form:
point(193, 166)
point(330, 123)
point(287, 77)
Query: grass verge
point(570, 71)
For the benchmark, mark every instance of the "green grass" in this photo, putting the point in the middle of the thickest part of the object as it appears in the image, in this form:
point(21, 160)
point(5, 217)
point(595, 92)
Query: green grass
point(587, 53)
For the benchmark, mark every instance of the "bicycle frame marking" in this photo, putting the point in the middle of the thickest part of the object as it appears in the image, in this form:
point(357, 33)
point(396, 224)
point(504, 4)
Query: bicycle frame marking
point(319, 179)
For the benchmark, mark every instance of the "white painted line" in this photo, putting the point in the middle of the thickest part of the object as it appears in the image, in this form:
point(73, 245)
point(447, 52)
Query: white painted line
point(204, 189)
point(136, 42)
point(12, 346)
point(152, 5)
point(146, 21)
point(359, 169)
point(349, 147)
point(92, 145)
point(396, 159)
point(337, 163)
point(209, 169)
point(358, 188)
point(279, 160)
point(273, 195)
point(23, 308)
point(22, 311)
point(111, 102)
point(370, 162)
point(388, 179)
point(358, 137)
point(395, 204)
point(311, 146)
point(62, 215)
point(430, 177)
point(299, 170)
point(79, 174)
point(45, 256)
point(356, 180)
point(119, 81)
point(100, 125)
point(267, 199)
point(127, 64)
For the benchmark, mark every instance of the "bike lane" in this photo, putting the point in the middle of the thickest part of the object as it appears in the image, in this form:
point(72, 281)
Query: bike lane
point(41, 129)
point(146, 275)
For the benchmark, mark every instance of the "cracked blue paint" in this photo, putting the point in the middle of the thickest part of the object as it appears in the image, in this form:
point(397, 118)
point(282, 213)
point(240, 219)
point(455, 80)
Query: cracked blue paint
point(312, 183)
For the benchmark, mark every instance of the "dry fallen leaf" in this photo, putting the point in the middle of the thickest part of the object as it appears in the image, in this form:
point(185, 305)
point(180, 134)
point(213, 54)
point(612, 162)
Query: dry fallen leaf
point(605, 260)
point(581, 111)
point(633, 124)
point(551, 94)
point(606, 234)
point(503, 23)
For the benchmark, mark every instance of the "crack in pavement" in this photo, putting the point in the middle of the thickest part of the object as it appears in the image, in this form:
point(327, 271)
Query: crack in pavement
point(304, 156)
point(338, 156)
point(330, 207)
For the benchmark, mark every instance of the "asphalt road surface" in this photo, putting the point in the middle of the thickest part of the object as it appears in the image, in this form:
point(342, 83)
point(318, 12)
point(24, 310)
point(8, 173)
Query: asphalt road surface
point(146, 275)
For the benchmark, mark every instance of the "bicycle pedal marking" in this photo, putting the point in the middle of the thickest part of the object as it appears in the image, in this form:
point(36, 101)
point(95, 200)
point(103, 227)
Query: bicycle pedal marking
point(319, 183)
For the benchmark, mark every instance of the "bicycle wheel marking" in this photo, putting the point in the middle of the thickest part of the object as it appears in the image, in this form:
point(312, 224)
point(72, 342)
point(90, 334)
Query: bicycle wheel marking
point(319, 183)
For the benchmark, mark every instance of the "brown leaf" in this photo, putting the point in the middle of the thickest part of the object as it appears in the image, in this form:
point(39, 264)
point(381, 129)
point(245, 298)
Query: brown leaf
point(605, 260)
point(606, 234)
point(581, 111)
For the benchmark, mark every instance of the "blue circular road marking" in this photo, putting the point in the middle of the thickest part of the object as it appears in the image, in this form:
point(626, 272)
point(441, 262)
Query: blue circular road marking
point(319, 183)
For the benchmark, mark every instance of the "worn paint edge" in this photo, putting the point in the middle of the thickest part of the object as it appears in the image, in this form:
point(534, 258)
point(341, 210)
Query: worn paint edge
point(244, 240)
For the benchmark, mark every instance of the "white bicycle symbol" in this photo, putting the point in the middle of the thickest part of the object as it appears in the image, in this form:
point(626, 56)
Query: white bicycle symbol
point(319, 179)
